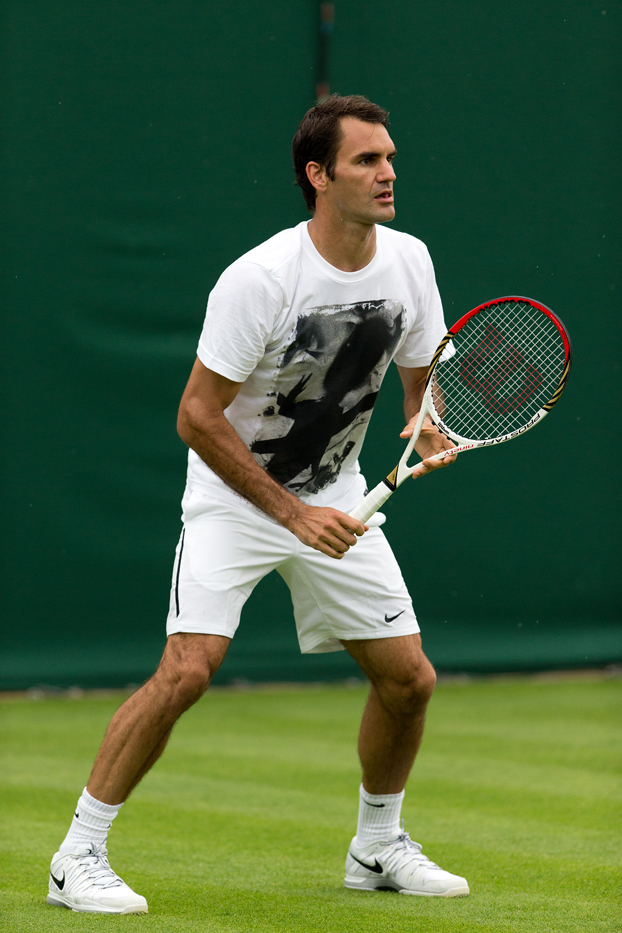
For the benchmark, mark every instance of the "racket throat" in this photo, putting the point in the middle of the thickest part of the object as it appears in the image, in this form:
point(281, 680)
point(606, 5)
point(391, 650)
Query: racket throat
point(391, 480)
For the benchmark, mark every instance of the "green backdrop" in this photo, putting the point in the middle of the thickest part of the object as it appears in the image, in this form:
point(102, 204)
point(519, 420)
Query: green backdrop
point(146, 146)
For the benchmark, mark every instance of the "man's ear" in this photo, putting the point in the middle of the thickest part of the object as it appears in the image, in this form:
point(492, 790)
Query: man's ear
point(316, 174)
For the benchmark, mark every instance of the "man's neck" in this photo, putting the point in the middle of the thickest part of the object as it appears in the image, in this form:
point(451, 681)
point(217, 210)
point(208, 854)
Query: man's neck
point(347, 245)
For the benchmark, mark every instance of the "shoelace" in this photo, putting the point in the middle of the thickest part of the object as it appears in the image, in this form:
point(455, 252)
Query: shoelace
point(98, 869)
point(404, 849)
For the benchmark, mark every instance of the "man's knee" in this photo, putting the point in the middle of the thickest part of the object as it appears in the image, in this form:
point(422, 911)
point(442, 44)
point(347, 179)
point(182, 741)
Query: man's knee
point(399, 671)
point(407, 692)
point(191, 680)
point(424, 680)
point(188, 665)
point(417, 690)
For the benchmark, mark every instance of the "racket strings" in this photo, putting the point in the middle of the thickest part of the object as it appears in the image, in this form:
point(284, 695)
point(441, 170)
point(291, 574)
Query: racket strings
point(505, 364)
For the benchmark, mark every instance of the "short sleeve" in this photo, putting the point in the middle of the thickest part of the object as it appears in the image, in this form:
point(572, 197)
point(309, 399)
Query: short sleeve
point(241, 312)
point(429, 326)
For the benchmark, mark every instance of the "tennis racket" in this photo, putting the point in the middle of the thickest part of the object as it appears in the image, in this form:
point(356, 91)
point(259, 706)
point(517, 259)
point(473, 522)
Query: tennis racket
point(496, 373)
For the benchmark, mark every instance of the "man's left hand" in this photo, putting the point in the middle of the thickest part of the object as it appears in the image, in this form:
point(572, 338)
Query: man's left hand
point(430, 442)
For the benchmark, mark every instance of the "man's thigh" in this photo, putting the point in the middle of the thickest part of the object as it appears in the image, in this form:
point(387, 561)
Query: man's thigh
point(223, 552)
point(361, 596)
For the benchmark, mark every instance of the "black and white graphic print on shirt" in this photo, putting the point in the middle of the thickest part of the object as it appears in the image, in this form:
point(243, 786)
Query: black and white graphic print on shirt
point(325, 390)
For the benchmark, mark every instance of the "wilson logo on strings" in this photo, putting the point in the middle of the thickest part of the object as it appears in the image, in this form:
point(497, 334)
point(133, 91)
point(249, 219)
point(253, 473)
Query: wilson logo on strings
point(483, 372)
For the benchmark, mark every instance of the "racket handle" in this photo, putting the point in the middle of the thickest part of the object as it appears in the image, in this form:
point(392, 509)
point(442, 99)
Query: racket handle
point(372, 502)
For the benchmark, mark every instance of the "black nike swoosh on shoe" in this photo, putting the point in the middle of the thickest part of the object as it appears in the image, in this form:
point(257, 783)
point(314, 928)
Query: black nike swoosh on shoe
point(389, 619)
point(377, 867)
point(378, 805)
point(59, 882)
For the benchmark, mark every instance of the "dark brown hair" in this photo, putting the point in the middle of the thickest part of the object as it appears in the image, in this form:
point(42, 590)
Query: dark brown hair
point(319, 135)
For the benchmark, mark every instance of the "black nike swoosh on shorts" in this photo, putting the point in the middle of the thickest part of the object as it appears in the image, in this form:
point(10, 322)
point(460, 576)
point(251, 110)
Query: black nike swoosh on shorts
point(60, 883)
point(389, 619)
point(377, 867)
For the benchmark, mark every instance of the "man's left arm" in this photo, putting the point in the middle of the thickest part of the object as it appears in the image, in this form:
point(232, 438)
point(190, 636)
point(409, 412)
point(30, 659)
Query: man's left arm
point(431, 441)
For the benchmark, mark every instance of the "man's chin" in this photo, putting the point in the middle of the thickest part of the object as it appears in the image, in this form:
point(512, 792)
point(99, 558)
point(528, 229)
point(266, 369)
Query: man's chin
point(379, 214)
point(385, 214)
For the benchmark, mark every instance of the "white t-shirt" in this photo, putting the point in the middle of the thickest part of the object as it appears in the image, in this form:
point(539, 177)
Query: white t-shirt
point(311, 345)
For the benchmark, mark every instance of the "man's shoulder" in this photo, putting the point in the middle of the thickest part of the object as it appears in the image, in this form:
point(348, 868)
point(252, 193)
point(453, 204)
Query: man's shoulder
point(403, 242)
point(281, 249)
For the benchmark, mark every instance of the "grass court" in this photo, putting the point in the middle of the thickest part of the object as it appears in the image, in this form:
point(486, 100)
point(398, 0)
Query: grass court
point(244, 824)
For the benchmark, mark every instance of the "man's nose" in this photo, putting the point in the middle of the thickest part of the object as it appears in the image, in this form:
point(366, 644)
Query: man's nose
point(387, 172)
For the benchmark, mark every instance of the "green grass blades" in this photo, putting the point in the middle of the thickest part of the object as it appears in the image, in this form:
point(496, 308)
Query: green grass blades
point(243, 825)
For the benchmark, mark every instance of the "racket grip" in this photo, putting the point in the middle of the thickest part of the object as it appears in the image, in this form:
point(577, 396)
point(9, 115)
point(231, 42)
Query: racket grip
point(372, 502)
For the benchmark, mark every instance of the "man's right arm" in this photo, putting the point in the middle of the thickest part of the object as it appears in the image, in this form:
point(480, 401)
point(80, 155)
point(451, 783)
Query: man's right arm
point(202, 425)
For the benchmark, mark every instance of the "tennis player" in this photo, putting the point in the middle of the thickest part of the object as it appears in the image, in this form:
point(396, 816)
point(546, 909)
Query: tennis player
point(298, 335)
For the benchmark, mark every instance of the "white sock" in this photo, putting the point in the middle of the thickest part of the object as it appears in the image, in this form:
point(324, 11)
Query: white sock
point(91, 822)
point(379, 817)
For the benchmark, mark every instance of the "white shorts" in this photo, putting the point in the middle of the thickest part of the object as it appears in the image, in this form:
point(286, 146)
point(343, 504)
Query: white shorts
point(225, 551)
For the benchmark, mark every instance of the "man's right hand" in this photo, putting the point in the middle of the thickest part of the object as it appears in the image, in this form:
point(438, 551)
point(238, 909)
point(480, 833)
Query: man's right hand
point(327, 530)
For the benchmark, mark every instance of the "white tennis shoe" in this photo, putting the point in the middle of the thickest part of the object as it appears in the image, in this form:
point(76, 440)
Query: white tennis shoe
point(401, 865)
point(83, 880)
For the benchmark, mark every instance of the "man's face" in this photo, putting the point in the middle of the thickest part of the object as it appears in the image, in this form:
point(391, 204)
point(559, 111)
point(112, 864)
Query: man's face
point(362, 188)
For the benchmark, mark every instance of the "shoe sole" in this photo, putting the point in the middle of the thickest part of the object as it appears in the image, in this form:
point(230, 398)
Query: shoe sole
point(371, 884)
point(56, 901)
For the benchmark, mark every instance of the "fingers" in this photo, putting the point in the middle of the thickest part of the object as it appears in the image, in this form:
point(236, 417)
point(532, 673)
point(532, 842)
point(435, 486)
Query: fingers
point(433, 443)
point(428, 428)
point(445, 457)
point(330, 531)
point(332, 545)
point(410, 427)
point(434, 463)
point(354, 525)
point(341, 534)
point(438, 462)
point(450, 456)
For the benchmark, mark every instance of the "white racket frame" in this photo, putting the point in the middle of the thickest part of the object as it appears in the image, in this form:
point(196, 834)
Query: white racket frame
point(386, 487)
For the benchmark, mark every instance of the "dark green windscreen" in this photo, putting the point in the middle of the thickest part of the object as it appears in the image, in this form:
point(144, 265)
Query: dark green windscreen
point(146, 146)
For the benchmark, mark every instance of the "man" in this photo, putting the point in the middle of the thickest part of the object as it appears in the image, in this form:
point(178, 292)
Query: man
point(298, 335)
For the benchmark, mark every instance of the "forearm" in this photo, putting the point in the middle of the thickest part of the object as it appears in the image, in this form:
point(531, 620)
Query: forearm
point(222, 449)
point(201, 423)
point(412, 405)
point(431, 441)
point(414, 385)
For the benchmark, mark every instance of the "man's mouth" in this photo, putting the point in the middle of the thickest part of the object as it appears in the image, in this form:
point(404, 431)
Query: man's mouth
point(386, 195)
